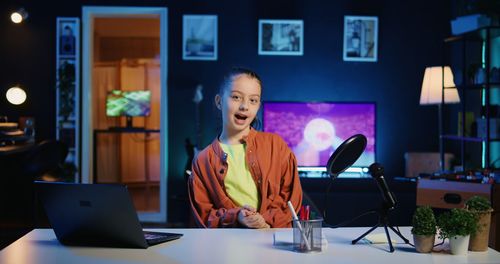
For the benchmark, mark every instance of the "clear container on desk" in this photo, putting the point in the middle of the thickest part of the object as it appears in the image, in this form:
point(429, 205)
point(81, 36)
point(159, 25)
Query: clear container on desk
point(311, 231)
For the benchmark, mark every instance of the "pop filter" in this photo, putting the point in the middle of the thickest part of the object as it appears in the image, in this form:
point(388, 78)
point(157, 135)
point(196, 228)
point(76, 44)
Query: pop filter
point(345, 155)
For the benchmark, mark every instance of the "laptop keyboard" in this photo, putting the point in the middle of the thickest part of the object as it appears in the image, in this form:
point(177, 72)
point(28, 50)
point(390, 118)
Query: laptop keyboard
point(154, 238)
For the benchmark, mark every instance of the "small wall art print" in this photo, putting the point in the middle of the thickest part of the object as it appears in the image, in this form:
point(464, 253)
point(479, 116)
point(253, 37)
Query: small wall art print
point(281, 37)
point(360, 38)
point(199, 37)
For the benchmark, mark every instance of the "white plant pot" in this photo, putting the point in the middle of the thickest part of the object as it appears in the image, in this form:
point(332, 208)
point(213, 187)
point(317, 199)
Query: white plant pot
point(459, 245)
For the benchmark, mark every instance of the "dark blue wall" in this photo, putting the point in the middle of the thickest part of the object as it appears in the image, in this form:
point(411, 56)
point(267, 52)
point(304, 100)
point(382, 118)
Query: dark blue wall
point(410, 38)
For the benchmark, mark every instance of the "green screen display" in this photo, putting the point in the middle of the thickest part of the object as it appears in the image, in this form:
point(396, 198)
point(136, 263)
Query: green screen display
point(128, 103)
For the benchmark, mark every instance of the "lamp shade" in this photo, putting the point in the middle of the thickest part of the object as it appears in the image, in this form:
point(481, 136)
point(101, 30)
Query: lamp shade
point(432, 86)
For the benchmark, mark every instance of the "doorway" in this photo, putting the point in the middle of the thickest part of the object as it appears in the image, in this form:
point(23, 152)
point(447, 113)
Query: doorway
point(124, 103)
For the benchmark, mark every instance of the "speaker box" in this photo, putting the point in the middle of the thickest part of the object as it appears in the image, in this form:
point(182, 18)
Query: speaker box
point(67, 45)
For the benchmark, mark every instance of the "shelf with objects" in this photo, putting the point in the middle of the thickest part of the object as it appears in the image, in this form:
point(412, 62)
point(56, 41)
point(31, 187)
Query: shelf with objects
point(475, 62)
point(466, 90)
point(67, 92)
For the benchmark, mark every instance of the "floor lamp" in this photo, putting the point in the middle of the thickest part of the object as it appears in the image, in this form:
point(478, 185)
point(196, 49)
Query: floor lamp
point(438, 88)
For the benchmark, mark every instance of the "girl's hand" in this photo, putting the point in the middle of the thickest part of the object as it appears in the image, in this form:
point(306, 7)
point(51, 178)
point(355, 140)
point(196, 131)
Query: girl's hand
point(249, 208)
point(249, 217)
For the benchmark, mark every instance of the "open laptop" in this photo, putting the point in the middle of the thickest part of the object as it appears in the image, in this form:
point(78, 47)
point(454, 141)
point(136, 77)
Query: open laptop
point(95, 215)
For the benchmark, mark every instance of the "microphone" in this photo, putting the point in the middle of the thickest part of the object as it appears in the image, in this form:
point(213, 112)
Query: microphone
point(377, 172)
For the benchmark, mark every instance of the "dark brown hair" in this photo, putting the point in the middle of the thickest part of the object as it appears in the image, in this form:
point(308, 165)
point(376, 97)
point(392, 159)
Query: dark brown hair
point(229, 78)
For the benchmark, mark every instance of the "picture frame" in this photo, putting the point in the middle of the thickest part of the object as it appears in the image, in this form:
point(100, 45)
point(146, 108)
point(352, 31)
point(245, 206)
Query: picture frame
point(281, 37)
point(360, 38)
point(199, 37)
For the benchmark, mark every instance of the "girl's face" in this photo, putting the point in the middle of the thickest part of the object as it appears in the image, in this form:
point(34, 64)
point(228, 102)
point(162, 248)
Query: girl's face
point(239, 103)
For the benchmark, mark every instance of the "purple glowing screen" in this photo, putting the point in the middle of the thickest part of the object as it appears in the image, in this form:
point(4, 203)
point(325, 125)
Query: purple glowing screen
point(314, 130)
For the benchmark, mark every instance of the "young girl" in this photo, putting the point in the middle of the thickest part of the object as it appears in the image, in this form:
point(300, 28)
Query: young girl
point(244, 178)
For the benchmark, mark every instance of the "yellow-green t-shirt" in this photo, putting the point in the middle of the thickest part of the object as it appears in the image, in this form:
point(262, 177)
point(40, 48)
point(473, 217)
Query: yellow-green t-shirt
point(238, 182)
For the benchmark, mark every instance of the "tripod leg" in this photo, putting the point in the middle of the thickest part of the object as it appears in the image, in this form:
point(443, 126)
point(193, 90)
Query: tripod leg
point(363, 235)
point(391, 248)
point(400, 235)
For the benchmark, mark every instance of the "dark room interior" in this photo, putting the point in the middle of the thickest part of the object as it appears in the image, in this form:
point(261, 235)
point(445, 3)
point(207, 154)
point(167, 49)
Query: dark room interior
point(442, 144)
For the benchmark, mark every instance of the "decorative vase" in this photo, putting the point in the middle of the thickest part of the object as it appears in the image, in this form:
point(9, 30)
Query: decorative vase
point(479, 241)
point(423, 244)
point(459, 245)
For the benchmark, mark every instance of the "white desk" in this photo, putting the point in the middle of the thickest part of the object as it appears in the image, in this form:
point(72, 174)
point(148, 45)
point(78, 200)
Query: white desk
point(231, 246)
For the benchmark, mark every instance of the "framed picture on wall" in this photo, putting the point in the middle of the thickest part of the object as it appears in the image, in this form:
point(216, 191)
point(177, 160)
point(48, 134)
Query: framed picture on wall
point(360, 38)
point(281, 37)
point(199, 37)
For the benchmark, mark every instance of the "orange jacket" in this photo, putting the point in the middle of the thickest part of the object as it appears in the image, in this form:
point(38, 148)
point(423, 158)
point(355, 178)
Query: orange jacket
point(274, 169)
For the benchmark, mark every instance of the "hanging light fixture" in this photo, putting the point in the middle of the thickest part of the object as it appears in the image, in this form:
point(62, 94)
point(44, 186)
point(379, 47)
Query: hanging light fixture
point(19, 16)
point(16, 95)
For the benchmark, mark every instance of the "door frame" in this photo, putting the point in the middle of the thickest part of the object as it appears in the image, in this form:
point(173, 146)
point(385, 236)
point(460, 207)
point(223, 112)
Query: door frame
point(88, 14)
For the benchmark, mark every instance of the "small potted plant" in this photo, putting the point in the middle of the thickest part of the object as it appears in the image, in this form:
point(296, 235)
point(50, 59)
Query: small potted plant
point(424, 229)
point(457, 225)
point(481, 207)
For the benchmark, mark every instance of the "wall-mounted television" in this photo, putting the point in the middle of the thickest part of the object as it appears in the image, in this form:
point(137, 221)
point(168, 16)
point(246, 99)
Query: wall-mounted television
point(313, 130)
point(128, 103)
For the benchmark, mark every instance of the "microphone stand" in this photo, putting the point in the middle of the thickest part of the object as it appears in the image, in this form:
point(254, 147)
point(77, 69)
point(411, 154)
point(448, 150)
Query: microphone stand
point(343, 157)
point(383, 220)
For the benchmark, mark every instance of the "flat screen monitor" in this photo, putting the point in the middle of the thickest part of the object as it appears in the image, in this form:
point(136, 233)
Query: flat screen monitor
point(313, 130)
point(128, 103)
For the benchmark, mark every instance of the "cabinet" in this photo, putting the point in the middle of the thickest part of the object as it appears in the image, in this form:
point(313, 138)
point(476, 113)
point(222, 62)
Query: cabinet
point(475, 59)
point(146, 152)
point(131, 157)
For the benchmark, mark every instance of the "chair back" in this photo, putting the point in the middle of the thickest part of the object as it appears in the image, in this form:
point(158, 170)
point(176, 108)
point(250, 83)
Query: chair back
point(46, 160)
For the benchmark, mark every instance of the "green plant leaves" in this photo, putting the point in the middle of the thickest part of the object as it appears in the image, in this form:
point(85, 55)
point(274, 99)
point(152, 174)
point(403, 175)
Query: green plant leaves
point(424, 222)
point(457, 222)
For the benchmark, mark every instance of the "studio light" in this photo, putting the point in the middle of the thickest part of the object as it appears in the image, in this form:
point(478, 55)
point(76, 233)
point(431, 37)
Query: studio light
point(19, 16)
point(16, 95)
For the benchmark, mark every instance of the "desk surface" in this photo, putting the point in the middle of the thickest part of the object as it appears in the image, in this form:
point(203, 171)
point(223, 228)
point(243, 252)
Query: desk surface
point(231, 246)
point(14, 149)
